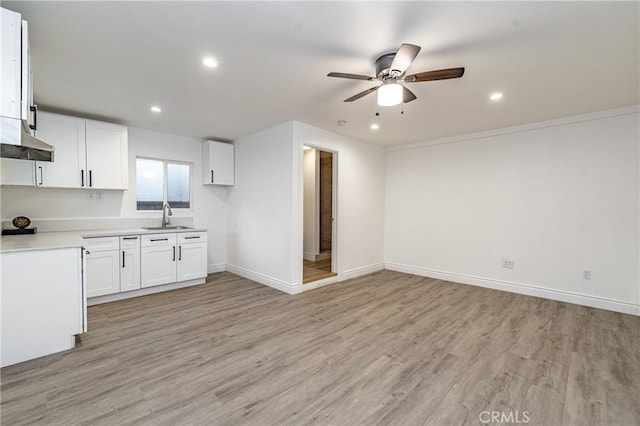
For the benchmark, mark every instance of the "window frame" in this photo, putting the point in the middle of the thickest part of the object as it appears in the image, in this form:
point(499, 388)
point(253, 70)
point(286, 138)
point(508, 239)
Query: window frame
point(165, 186)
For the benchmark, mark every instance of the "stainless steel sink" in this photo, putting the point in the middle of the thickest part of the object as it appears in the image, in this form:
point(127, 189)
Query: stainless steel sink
point(167, 228)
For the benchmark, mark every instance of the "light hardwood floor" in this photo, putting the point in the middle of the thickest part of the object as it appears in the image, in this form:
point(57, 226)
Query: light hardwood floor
point(387, 348)
point(313, 271)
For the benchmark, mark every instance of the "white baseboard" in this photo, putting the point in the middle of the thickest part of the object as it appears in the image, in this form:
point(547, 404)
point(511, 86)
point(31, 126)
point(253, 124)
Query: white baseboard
point(362, 270)
point(309, 256)
point(346, 275)
point(143, 292)
point(216, 267)
point(263, 279)
point(520, 288)
point(320, 283)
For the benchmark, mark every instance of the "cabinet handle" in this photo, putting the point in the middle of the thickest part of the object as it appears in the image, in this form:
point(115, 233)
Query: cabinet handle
point(34, 110)
point(90, 179)
point(87, 252)
point(41, 175)
point(174, 253)
point(132, 238)
point(191, 238)
point(211, 176)
point(160, 239)
point(179, 252)
point(123, 259)
point(82, 178)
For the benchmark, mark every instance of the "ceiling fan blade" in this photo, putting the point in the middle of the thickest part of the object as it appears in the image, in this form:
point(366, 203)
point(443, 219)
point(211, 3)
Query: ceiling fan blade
point(435, 75)
point(404, 56)
point(408, 95)
point(361, 94)
point(351, 76)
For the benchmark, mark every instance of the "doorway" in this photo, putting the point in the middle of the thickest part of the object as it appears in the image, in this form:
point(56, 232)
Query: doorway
point(319, 212)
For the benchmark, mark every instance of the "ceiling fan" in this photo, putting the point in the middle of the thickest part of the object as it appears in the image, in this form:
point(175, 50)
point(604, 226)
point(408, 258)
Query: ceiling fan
point(391, 72)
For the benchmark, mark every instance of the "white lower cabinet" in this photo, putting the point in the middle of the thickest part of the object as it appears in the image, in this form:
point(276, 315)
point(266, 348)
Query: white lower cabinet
point(103, 266)
point(130, 263)
point(170, 258)
point(158, 265)
point(192, 256)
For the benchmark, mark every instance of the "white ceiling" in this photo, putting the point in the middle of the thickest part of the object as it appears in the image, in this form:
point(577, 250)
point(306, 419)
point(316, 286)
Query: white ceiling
point(113, 60)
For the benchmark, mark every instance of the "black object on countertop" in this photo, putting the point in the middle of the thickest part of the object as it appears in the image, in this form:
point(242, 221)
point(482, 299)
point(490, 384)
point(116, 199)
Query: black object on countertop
point(20, 231)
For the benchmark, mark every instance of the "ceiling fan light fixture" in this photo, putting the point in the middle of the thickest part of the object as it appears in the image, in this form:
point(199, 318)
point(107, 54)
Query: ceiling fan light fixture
point(390, 94)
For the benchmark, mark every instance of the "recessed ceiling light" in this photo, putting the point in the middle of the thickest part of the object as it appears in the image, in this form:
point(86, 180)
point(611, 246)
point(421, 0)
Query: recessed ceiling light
point(208, 61)
point(156, 109)
point(342, 122)
point(375, 126)
point(496, 96)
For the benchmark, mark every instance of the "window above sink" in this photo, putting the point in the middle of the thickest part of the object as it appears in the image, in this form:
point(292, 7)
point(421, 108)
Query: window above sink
point(162, 181)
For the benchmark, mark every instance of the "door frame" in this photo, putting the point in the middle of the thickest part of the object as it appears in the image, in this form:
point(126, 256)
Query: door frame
point(334, 214)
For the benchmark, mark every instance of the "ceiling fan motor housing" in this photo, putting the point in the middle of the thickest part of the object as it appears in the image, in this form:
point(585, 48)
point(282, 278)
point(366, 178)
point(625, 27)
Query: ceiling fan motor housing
point(383, 65)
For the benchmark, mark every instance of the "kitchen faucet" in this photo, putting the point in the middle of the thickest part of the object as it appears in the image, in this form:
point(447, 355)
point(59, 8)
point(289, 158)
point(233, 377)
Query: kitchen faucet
point(165, 217)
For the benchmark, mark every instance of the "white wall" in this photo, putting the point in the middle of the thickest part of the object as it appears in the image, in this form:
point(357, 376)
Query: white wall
point(260, 208)
point(311, 220)
point(66, 209)
point(557, 197)
point(360, 200)
point(266, 205)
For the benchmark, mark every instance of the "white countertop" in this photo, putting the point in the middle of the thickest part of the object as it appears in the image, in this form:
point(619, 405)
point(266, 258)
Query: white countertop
point(70, 239)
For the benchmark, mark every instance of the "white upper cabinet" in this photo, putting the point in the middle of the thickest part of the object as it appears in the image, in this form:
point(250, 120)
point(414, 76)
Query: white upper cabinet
point(88, 154)
point(218, 166)
point(17, 172)
point(107, 155)
point(11, 59)
point(16, 90)
point(67, 135)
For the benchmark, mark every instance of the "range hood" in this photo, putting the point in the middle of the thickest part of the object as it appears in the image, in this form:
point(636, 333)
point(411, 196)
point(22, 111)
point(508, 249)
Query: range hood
point(17, 142)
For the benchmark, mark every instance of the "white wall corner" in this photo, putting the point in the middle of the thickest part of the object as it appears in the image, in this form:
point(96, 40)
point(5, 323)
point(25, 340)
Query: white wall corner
point(362, 270)
point(264, 279)
point(216, 267)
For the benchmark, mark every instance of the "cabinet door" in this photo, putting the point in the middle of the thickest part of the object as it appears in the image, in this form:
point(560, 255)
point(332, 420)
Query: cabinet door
point(158, 265)
point(192, 261)
point(66, 134)
point(130, 269)
point(219, 167)
point(107, 156)
point(10, 60)
point(103, 272)
point(17, 172)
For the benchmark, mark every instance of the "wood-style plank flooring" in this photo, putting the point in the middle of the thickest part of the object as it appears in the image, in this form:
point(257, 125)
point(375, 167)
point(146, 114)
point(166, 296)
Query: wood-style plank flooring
point(387, 348)
point(318, 270)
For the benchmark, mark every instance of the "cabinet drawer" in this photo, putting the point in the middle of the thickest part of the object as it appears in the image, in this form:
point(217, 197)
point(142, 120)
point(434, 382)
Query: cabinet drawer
point(130, 241)
point(102, 243)
point(151, 240)
point(192, 237)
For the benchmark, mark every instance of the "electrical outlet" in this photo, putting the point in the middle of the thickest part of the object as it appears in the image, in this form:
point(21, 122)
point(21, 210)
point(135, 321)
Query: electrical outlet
point(91, 195)
point(99, 195)
point(586, 275)
point(507, 263)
